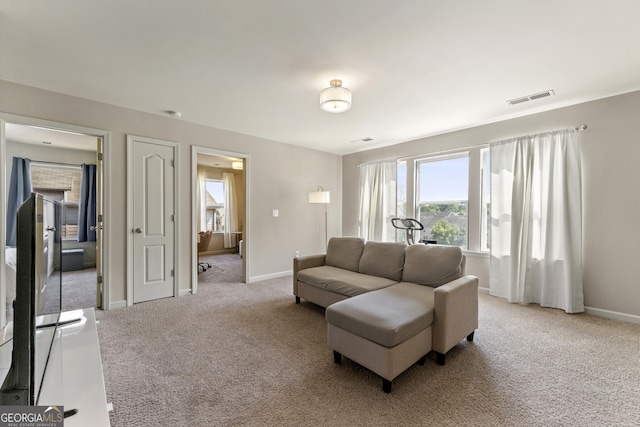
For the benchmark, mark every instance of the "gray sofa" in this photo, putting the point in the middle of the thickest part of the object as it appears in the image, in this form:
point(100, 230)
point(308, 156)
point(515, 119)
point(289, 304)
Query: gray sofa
point(389, 304)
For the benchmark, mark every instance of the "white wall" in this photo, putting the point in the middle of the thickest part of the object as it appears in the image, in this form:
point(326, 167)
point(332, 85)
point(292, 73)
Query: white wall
point(610, 150)
point(280, 178)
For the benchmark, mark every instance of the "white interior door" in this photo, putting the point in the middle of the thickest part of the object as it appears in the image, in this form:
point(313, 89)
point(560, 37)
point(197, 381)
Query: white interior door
point(152, 214)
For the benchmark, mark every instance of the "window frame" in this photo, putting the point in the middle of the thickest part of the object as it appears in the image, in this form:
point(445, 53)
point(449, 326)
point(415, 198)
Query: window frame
point(475, 190)
point(215, 208)
point(434, 159)
point(66, 204)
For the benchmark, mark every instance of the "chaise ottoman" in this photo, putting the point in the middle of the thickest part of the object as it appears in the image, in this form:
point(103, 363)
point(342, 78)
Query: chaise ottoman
point(386, 331)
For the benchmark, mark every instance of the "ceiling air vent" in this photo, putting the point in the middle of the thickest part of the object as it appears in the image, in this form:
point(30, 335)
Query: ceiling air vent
point(359, 141)
point(530, 97)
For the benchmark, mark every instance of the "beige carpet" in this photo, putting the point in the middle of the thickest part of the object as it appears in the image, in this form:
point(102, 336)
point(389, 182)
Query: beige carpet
point(246, 355)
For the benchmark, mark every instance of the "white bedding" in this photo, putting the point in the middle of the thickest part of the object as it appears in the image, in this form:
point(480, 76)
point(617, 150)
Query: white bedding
point(10, 260)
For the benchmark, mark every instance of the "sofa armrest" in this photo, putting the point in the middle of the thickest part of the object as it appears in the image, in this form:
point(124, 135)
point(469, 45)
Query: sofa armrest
point(301, 263)
point(455, 312)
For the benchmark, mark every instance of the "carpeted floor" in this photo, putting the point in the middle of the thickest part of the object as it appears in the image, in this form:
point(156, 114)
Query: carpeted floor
point(78, 289)
point(240, 354)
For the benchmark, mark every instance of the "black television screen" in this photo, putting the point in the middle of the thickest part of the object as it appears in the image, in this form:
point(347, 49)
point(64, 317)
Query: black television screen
point(38, 297)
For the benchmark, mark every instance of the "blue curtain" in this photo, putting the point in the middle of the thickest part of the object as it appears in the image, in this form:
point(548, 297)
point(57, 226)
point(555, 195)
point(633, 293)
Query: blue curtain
point(87, 214)
point(19, 191)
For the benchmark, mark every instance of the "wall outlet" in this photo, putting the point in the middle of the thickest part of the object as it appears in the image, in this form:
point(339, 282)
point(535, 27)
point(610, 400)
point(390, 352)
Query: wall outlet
point(297, 254)
point(276, 213)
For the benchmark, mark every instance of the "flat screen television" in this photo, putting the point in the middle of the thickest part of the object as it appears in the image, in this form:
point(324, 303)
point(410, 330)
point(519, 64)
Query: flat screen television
point(38, 299)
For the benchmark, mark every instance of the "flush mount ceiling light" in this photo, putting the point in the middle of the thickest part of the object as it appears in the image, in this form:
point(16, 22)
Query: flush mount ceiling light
point(335, 99)
point(237, 165)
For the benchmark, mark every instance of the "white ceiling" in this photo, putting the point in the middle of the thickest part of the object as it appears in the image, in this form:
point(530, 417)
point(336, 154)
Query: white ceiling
point(49, 137)
point(416, 68)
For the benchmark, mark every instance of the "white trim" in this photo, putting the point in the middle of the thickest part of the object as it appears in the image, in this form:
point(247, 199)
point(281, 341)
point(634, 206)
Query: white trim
point(624, 317)
point(195, 150)
point(270, 276)
point(598, 312)
point(118, 304)
point(475, 254)
point(131, 140)
point(106, 205)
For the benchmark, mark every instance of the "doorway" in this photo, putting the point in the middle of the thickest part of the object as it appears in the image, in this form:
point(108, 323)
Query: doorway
point(63, 147)
point(220, 220)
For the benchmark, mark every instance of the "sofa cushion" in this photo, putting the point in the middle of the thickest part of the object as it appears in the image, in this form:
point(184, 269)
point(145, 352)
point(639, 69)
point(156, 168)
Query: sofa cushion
point(432, 265)
point(388, 317)
point(344, 252)
point(383, 259)
point(342, 281)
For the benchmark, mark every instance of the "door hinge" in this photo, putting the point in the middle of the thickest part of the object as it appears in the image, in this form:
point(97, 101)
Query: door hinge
point(100, 156)
point(173, 217)
point(100, 279)
point(171, 273)
point(99, 218)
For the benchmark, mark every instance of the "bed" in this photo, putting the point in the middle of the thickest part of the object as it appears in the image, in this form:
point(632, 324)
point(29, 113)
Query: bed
point(10, 260)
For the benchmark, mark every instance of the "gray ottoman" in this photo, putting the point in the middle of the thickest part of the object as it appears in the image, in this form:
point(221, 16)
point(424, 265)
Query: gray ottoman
point(386, 331)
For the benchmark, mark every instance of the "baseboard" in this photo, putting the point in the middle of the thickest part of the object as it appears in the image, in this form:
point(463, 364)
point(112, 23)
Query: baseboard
point(117, 304)
point(624, 317)
point(614, 315)
point(233, 250)
point(184, 292)
point(254, 279)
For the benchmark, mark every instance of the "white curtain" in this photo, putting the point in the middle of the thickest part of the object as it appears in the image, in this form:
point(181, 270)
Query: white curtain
point(536, 220)
point(377, 201)
point(230, 211)
point(201, 201)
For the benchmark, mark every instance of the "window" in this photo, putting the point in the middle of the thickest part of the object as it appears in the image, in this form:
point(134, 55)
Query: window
point(442, 199)
point(215, 205)
point(450, 195)
point(60, 183)
point(401, 195)
point(485, 200)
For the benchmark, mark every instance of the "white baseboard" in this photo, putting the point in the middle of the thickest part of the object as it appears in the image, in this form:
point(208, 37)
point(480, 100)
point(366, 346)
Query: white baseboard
point(624, 317)
point(254, 279)
point(117, 304)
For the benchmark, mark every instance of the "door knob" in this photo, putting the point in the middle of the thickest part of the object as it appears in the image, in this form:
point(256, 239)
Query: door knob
point(138, 230)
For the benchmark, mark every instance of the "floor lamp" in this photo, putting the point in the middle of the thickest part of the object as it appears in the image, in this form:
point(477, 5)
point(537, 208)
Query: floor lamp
point(323, 197)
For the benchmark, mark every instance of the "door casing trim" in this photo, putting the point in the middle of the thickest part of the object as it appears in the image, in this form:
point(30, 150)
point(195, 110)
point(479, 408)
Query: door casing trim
point(195, 150)
point(106, 180)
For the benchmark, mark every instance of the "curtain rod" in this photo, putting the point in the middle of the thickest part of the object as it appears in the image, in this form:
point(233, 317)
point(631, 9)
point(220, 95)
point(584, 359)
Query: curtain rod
point(46, 163)
point(453, 150)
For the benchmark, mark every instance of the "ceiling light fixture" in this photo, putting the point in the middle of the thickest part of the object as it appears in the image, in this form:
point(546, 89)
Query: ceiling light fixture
point(239, 165)
point(335, 99)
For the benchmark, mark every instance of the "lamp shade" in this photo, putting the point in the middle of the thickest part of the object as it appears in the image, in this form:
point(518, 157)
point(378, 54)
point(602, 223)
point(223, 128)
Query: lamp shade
point(335, 99)
point(320, 196)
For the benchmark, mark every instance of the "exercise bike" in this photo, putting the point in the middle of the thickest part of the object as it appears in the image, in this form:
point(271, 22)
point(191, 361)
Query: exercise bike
point(410, 226)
